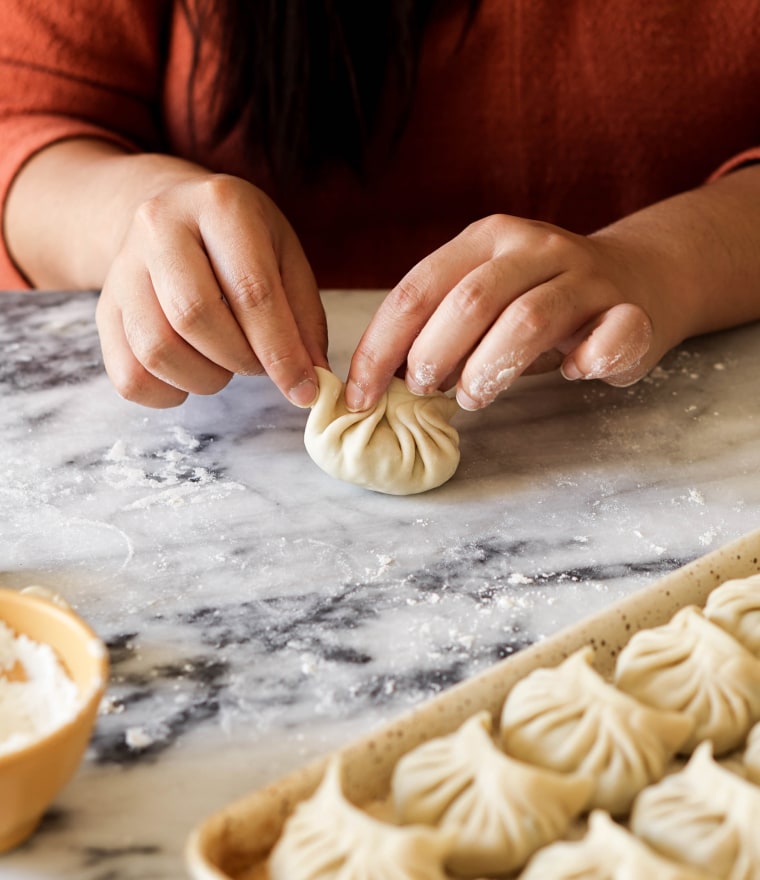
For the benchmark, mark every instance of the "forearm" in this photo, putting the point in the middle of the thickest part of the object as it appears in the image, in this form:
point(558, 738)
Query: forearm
point(703, 250)
point(70, 206)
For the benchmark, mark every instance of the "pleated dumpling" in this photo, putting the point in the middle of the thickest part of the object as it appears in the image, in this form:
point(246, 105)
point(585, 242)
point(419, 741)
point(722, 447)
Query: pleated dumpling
point(692, 665)
point(500, 810)
point(403, 445)
point(735, 606)
point(751, 757)
point(607, 852)
point(568, 718)
point(705, 816)
point(327, 838)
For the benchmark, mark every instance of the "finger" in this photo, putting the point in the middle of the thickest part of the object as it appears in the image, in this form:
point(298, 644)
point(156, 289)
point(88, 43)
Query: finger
point(247, 269)
point(192, 302)
point(533, 253)
point(532, 324)
point(405, 311)
point(464, 316)
point(128, 376)
point(451, 380)
point(546, 362)
point(158, 348)
point(615, 349)
point(303, 294)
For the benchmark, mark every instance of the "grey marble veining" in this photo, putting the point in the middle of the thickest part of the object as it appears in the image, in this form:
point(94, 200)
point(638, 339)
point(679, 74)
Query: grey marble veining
point(259, 613)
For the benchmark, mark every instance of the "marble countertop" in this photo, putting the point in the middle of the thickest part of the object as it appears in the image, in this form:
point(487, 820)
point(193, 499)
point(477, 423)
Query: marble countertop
point(259, 613)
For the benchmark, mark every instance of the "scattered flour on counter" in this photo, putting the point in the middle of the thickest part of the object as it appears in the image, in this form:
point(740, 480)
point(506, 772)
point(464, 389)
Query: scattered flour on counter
point(138, 738)
point(696, 497)
point(46, 700)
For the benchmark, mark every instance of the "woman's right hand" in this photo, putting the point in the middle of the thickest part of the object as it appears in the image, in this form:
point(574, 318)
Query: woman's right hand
point(210, 280)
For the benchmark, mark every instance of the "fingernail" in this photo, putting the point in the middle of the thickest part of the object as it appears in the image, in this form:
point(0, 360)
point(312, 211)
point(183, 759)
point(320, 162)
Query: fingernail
point(415, 387)
point(354, 397)
point(570, 371)
point(304, 394)
point(422, 380)
point(466, 402)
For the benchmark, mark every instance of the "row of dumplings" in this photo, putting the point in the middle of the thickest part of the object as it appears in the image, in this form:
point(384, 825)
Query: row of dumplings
point(572, 744)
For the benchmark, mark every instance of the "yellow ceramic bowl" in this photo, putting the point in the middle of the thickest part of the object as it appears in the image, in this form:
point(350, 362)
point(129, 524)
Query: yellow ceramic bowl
point(31, 777)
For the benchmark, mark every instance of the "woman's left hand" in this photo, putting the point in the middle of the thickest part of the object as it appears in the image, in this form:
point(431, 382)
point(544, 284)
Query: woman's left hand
point(510, 296)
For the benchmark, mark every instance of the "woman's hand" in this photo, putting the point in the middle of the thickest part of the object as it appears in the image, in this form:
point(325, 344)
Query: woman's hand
point(210, 281)
point(201, 275)
point(509, 296)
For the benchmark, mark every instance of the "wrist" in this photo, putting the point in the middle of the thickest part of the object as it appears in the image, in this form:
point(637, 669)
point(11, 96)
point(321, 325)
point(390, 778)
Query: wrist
point(71, 205)
point(696, 256)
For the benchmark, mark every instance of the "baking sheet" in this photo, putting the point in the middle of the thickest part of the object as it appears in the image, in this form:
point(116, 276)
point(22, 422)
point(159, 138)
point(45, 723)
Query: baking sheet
point(233, 843)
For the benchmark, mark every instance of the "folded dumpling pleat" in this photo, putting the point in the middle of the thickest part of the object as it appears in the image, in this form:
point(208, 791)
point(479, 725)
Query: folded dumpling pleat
point(403, 445)
point(691, 665)
point(735, 606)
point(568, 718)
point(607, 852)
point(705, 816)
point(328, 838)
point(499, 810)
point(751, 756)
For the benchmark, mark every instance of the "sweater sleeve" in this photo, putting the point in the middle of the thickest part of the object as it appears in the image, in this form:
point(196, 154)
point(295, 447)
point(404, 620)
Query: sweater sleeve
point(73, 68)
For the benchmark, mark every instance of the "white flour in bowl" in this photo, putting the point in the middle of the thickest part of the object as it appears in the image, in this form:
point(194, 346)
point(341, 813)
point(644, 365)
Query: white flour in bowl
point(33, 708)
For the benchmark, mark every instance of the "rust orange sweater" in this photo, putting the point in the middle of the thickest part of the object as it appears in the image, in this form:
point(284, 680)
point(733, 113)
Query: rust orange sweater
point(571, 111)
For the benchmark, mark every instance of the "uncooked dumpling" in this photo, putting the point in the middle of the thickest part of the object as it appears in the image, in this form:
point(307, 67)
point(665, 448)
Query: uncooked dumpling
point(735, 606)
point(751, 757)
point(500, 810)
point(691, 665)
point(607, 852)
point(568, 718)
point(327, 838)
point(705, 816)
point(403, 445)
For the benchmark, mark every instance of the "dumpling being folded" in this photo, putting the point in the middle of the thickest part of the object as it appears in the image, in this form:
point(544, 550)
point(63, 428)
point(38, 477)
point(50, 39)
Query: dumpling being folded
point(607, 852)
point(403, 445)
point(328, 838)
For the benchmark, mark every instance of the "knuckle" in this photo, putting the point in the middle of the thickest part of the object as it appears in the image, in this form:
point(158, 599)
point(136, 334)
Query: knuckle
point(186, 316)
point(473, 299)
point(218, 190)
point(150, 350)
point(151, 216)
point(492, 231)
point(214, 382)
point(370, 361)
point(409, 297)
point(530, 316)
point(549, 240)
point(281, 362)
point(250, 292)
point(133, 389)
point(229, 195)
point(249, 366)
point(138, 386)
point(130, 383)
point(153, 355)
point(494, 225)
